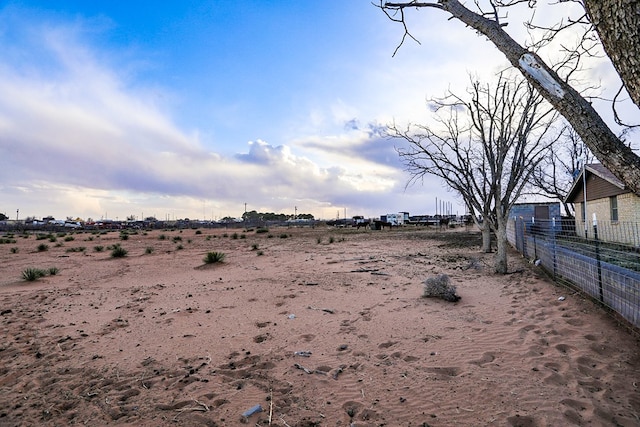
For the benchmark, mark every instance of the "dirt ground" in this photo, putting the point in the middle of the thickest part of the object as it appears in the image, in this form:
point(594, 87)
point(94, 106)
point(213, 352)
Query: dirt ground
point(319, 327)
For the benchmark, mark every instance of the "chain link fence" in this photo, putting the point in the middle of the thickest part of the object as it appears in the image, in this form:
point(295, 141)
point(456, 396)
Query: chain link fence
point(604, 265)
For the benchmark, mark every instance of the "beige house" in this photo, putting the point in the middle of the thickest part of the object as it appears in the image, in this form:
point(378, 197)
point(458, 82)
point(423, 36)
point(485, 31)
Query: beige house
point(614, 205)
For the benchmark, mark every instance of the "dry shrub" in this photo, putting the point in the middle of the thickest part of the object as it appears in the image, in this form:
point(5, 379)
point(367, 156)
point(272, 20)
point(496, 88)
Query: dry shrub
point(440, 287)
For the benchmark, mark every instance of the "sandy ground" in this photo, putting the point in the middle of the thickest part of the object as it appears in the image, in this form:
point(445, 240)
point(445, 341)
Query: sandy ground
point(161, 338)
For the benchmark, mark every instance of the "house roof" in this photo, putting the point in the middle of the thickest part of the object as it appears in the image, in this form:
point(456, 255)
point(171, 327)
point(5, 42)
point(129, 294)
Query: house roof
point(593, 169)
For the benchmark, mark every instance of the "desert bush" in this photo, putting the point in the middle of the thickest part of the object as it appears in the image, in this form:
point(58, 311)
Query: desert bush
point(98, 248)
point(14, 250)
point(43, 247)
point(7, 240)
point(69, 239)
point(235, 236)
point(179, 247)
point(177, 239)
point(332, 239)
point(31, 274)
point(198, 231)
point(53, 271)
point(53, 239)
point(124, 236)
point(440, 287)
point(118, 251)
point(41, 236)
point(214, 257)
point(208, 238)
point(162, 237)
point(259, 253)
point(254, 247)
point(262, 230)
point(284, 235)
point(243, 236)
point(148, 250)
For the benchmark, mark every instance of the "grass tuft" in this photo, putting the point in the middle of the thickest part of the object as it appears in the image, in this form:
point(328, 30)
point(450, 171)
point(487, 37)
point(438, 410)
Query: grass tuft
point(214, 257)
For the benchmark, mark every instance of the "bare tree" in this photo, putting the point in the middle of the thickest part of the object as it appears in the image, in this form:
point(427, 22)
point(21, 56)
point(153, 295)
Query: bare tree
point(610, 150)
point(558, 169)
point(485, 145)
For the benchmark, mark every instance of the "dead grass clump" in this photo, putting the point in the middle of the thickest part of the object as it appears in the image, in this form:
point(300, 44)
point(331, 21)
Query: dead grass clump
point(440, 287)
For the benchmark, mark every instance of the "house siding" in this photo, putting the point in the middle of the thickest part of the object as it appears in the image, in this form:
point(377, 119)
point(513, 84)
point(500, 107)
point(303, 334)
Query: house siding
point(622, 231)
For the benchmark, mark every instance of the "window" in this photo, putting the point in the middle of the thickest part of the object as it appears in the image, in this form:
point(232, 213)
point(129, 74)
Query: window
point(613, 204)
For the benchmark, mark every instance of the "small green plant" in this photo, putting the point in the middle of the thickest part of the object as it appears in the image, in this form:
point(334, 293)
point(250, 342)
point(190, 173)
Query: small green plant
point(118, 251)
point(162, 237)
point(31, 274)
point(43, 247)
point(262, 230)
point(124, 236)
point(89, 239)
point(8, 240)
point(259, 253)
point(53, 239)
point(235, 236)
point(225, 235)
point(319, 240)
point(284, 235)
point(332, 239)
point(177, 239)
point(14, 250)
point(208, 238)
point(69, 238)
point(214, 257)
point(198, 231)
point(53, 271)
point(189, 241)
point(148, 250)
point(98, 248)
point(179, 247)
point(243, 236)
point(41, 236)
point(254, 247)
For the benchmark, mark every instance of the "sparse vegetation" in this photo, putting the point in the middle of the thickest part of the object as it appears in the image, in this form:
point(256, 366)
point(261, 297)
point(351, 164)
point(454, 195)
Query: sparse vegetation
point(98, 248)
point(260, 253)
point(118, 251)
point(53, 271)
point(284, 235)
point(43, 247)
point(332, 239)
point(179, 247)
point(319, 240)
point(32, 274)
point(254, 247)
point(262, 230)
point(198, 231)
point(14, 250)
point(214, 257)
point(69, 238)
point(162, 237)
point(235, 236)
point(124, 236)
point(148, 250)
point(7, 240)
point(77, 249)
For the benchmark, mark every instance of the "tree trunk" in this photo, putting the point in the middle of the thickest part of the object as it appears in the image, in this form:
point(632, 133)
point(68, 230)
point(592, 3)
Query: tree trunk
point(618, 25)
point(501, 253)
point(486, 237)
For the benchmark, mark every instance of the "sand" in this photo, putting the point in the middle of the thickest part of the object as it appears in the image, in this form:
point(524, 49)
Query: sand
point(320, 327)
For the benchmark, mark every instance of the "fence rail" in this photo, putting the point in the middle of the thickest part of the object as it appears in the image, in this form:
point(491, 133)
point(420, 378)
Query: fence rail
point(604, 265)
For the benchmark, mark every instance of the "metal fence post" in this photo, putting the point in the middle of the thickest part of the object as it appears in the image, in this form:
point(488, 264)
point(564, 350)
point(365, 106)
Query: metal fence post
point(599, 264)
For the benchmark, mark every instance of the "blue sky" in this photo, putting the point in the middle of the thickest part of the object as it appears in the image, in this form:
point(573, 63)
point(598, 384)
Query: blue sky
point(194, 108)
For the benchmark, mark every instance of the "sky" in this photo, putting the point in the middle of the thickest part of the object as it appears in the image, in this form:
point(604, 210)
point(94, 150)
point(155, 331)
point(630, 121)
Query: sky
point(202, 109)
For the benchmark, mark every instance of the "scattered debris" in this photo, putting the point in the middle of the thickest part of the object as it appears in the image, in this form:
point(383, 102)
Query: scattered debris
point(291, 316)
point(561, 298)
point(253, 410)
point(327, 310)
point(303, 353)
point(299, 366)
